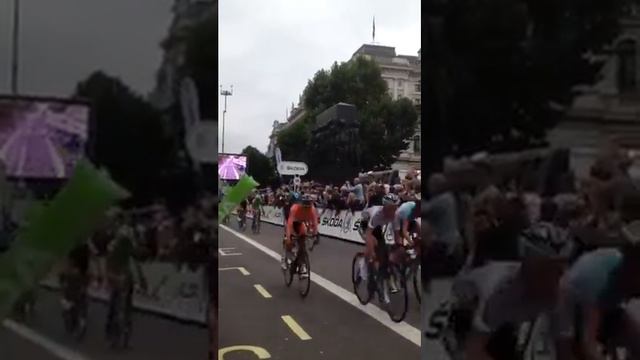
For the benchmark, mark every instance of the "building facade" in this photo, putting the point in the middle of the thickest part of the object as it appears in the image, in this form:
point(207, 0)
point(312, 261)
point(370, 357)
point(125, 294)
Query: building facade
point(403, 75)
point(609, 110)
point(186, 14)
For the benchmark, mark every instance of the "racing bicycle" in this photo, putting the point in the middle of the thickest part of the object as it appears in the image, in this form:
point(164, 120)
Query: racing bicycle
point(294, 267)
point(242, 220)
point(74, 303)
point(395, 299)
point(411, 266)
point(255, 222)
point(120, 311)
point(449, 325)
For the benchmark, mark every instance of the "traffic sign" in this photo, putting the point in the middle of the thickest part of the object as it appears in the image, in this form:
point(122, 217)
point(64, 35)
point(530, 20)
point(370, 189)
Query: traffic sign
point(202, 142)
point(189, 103)
point(292, 168)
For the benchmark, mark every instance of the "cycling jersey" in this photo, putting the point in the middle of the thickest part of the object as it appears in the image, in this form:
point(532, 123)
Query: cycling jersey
point(496, 295)
point(121, 252)
point(404, 213)
point(377, 218)
point(365, 215)
point(256, 203)
point(299, 213)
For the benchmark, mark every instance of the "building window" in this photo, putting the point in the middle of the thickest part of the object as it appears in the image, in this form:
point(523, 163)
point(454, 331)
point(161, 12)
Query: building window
point(416, 101)
point(627, 66)
point(400, 84)
point(418, 88)
point(416, 144)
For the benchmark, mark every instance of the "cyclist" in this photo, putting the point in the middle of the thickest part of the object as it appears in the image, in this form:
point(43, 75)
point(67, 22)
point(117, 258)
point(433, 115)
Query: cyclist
point(256, 205)
point(120, 267)
point(376, 248)
point(242, 211)
point(301, 213)
point(405, 223)
point(597, 286)
point(74, 280)
point(492, 301)
point(287, 201)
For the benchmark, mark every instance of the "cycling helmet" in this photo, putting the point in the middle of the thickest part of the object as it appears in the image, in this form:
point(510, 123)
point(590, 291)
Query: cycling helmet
point(390, 199)
point(295, 196)
point(306, 200)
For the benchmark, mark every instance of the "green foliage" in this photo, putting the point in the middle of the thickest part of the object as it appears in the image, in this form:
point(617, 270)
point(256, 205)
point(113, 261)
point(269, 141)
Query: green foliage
point(385, 124)
point(512, 66)
point(129, 137)
point(259, 166)
point(295, 140)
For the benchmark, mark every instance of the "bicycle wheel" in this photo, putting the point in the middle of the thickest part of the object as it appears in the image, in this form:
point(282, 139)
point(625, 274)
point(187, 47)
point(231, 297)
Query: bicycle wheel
point(288, 273)
point(538, 342)
point(360, 285)
point(399, 300)
point(304, 283)
point(417, 284)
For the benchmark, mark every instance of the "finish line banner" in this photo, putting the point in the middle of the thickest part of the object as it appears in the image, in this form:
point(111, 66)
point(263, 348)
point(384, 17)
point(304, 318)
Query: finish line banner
point(344, 225)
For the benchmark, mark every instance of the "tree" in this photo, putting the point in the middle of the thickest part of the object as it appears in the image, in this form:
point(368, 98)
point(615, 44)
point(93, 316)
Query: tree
point(259, 166)
point(129, 137)
point(514, 66)
point(384, 124)
point(294, 140)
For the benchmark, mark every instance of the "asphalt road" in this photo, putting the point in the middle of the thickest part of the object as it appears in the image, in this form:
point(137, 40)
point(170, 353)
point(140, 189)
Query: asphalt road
point(153, 337)
point(259, 314)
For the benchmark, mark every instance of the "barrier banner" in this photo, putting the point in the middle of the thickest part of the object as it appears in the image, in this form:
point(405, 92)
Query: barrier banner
point(343, 225)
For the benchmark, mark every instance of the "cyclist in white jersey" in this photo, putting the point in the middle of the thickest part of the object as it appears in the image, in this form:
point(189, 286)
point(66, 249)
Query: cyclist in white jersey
point(378, 218)
point(497, 298)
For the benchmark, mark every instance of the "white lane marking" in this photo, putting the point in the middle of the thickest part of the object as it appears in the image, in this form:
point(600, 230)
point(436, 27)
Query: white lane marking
point(228, 252)
point(239, 268)
point(262, 291)
point(295, 327)
point(52, 347)
point(403, 329)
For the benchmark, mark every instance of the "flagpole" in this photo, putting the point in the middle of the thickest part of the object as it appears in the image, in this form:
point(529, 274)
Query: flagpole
point(374, 30)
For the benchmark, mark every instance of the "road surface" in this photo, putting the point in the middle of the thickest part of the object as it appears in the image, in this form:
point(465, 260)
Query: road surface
point(258, 313)
point(153, 337)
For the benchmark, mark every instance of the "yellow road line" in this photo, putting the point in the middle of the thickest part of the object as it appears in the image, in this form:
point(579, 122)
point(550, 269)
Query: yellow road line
point(297, 329)
point(262, 291)
point(240, 268)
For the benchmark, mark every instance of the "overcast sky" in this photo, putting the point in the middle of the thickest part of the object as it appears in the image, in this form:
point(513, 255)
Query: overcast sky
point(63, 41)
point(270, 49)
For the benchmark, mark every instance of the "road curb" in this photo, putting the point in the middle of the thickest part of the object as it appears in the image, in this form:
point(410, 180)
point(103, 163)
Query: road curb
point(143, 308)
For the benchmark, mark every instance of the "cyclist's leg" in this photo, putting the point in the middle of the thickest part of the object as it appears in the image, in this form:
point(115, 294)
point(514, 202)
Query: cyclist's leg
point(301, 233)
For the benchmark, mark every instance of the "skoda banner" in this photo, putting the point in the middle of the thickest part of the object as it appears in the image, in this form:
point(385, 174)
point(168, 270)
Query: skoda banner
point(344, 225)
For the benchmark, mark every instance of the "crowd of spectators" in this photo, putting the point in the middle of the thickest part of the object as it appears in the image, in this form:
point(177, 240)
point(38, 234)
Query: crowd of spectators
point(471, 219)
point(356, 195)
point(184, 239)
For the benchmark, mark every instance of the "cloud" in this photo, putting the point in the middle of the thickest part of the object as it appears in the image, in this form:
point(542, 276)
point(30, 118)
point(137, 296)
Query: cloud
point(270, 49)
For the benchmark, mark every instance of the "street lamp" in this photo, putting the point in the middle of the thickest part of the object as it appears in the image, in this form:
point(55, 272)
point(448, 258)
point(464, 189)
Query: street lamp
point(225, 93)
